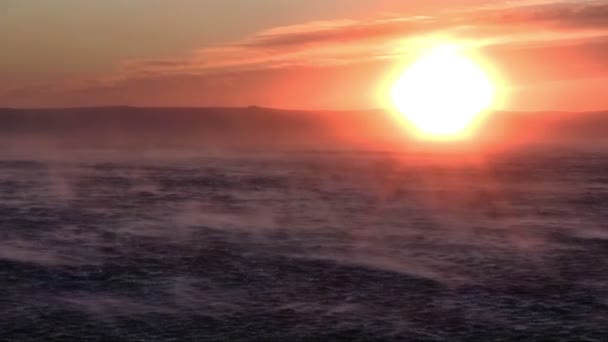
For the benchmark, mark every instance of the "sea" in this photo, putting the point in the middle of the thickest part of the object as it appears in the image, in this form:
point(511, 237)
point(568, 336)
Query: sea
point(305, 246)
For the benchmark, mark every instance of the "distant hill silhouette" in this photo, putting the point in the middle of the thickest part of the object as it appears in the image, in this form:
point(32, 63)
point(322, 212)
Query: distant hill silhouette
point(257, 127)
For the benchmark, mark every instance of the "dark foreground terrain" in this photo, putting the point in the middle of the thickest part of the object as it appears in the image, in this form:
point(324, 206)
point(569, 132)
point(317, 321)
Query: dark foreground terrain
point(306, 246)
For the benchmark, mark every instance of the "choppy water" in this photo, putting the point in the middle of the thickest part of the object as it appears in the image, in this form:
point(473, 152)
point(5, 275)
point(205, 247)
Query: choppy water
point(305, 247)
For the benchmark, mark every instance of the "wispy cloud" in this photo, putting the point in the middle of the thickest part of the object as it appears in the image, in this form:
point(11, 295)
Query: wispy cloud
point(343, 41)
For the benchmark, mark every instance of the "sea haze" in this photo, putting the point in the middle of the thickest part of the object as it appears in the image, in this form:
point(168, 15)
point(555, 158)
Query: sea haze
point(195, 224)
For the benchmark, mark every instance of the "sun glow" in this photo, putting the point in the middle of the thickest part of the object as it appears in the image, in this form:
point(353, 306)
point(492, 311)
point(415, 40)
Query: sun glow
point(443, 93)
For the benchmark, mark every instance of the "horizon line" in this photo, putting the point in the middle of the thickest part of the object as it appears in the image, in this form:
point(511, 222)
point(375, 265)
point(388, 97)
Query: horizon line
point(272, 108)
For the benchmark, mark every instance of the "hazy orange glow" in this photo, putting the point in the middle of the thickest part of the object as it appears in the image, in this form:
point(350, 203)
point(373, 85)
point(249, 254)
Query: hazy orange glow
point(442, 93)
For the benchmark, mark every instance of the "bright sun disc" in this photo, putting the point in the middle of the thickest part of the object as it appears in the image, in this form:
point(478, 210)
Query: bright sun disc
point(442, 93)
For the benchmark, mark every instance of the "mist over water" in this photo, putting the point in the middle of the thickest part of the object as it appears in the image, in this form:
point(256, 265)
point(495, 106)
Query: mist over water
point(305, 245)
point(164, 241)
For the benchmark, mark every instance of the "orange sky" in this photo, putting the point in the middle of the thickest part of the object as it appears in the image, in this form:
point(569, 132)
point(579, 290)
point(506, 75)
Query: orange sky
point(291, 54)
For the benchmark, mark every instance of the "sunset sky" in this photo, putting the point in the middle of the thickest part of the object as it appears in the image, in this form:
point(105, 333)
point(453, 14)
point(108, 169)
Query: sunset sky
point(306, 54)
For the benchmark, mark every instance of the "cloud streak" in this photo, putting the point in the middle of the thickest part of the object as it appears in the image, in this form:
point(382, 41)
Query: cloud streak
point(345, 40)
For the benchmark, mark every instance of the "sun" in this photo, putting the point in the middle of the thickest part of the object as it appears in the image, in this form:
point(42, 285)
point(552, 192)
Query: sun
point(443, 93)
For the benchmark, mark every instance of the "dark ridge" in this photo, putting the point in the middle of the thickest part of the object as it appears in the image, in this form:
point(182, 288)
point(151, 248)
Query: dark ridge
point(263, 127)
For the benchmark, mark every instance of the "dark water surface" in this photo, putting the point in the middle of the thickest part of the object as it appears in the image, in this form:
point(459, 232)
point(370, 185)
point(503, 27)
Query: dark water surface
point(352, 246)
